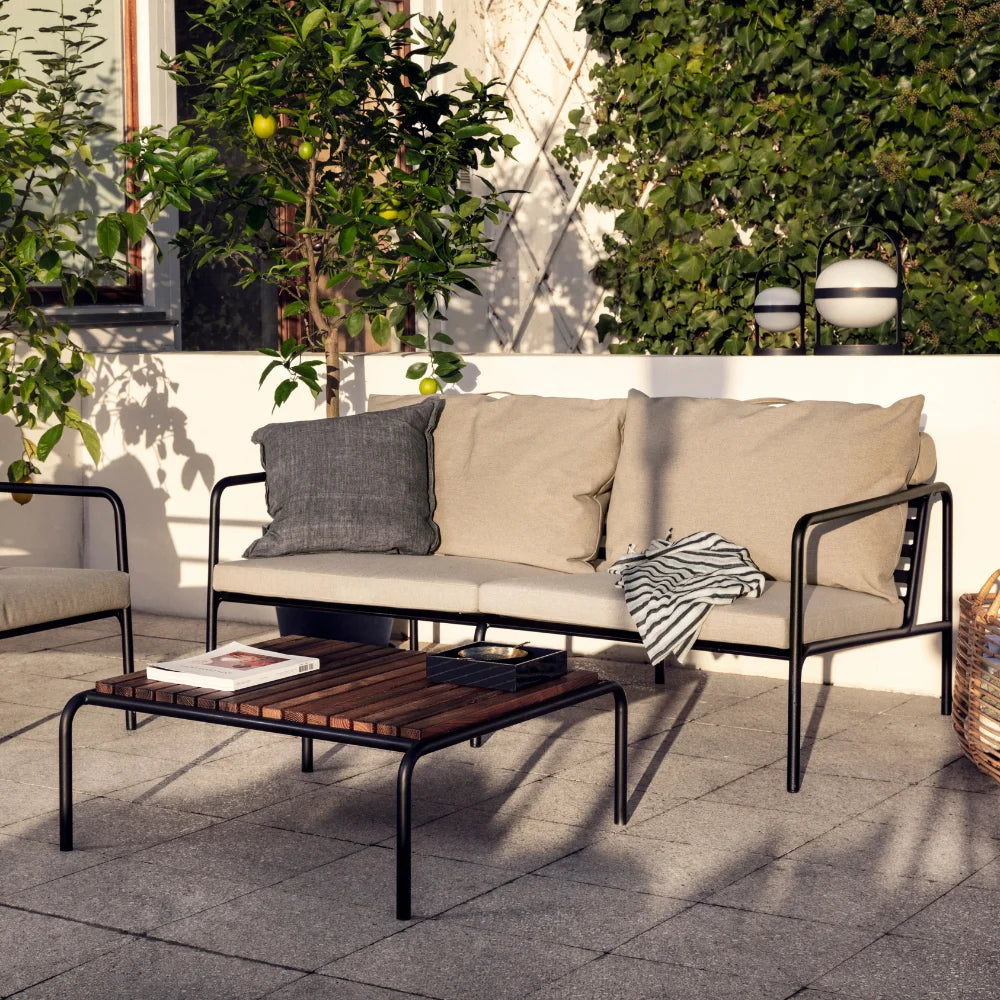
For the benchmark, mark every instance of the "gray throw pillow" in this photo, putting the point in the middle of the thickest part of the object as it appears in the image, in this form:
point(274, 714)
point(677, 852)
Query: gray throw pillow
point(351, 484)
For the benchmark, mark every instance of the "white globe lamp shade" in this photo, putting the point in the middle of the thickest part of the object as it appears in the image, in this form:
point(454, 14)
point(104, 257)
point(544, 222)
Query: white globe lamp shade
point(857, 310)
point(783, 318)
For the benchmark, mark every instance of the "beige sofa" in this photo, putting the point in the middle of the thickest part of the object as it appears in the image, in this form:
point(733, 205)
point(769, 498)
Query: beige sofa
point(537, 496)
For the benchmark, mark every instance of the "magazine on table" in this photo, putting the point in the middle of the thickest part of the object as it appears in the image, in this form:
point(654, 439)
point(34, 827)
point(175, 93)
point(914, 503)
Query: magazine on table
point(232, 667)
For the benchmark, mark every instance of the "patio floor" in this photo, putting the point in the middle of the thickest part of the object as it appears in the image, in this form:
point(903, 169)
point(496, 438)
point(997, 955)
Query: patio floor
point(209, 866)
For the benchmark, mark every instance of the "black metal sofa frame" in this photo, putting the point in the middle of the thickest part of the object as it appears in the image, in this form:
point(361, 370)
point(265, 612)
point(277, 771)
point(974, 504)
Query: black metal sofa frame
point(908, 578)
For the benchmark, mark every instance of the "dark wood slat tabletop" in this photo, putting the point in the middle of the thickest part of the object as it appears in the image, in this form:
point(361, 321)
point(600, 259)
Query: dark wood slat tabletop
point(369, 689)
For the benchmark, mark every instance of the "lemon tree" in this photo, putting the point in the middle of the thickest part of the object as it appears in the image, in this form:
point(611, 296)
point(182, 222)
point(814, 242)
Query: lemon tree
point(47, 125)
point(357, 185)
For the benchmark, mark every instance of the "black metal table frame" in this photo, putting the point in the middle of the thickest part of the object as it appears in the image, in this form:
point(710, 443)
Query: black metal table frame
point(412, 751)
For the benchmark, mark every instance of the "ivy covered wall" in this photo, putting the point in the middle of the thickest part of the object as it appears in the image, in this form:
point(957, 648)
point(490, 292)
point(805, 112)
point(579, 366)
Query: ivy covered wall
point(732, 135)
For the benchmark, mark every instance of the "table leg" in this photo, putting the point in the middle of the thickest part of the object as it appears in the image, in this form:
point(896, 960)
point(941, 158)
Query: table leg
point(307, 755)
point(403, 822)
point(66, 771)
point(621, 756)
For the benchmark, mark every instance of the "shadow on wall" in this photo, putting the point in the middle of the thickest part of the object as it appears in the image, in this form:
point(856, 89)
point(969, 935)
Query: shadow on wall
point(133, 392)
point(152, 554)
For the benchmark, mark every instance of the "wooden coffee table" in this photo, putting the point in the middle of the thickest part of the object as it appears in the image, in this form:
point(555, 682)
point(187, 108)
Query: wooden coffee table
point(368, 696)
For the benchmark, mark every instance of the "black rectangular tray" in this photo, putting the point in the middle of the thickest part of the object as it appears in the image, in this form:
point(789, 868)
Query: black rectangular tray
point(447, 667)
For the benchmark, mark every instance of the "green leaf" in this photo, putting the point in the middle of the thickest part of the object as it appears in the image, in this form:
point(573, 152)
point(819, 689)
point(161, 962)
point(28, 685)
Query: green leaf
point(134, 224)
point(381, 331)
point(348, 236)
point(312, 20)
point(110, 234)
point(356, 322)
point(90, 441)
point(418, 370)
point(283, 391)
point(48, 441)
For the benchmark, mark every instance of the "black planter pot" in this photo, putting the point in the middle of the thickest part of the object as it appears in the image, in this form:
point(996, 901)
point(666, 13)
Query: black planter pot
point(371, 629)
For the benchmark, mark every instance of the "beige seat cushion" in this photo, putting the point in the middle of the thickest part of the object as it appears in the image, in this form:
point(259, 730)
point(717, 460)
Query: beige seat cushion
point(596, 601)
point(33, 595)
point(748, 471)
point(431, 583)
point(520, 478)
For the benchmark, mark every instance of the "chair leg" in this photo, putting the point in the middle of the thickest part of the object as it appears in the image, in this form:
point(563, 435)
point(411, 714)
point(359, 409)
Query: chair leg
point(946, 667)
point(414, 634)
point(794, 720)
point(128, 656)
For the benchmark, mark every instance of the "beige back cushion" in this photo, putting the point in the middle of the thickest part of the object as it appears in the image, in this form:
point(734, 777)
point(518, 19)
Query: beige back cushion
point(748, 471)
point(521, 478)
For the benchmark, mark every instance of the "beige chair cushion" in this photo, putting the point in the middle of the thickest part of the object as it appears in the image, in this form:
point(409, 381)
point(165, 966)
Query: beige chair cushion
point(926, 467)
point(519, 478)
point(430, 583)
point(33, 595)
point(596, 601)
point(748, 471)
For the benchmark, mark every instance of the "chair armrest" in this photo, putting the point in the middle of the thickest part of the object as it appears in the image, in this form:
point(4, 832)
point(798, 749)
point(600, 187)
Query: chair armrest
point(87, 492)
point(858, 508)
point(215, 513)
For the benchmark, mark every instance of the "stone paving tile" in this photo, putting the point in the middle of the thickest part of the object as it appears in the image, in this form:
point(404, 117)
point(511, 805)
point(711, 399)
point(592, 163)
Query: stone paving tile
point(33, 762)
point(828, 794)
point(130, 895)
point(575, 802)
point(912, 851)
point(499, 841)
point(520, 751)
point(91, 726)
point(224, 788)
point(684, 871)
point(820, 892)
point(962, 775)
point(20, 803)
point(344, 814)
point(23, 720)
point(466, 963)
point(574, 913)
point(943, 809)
point(665, 773)
point(332, 762)
point(759, 946)
point(108, 825)
point(58, 663)
point(898, 968)
point(966, 916)
point(283, 928)
point(35, 946)
point(457, 783)
point(156, 970)
point(147, 649)
point(886, 762)
point(821, 715)
point(183, 741)
point(920, 733)
point(320, 987)
point(368, 878)
point(24, 687)
point(193, 629)
point(24, 863)
point(698, 739)
point(246, 851)
point(734, 827)
point(614, 977)
point(54, 637)
point(988, 877)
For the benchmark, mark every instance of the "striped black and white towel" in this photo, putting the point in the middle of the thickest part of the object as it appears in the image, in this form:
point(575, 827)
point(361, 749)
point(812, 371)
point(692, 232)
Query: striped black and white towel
point(671, 586)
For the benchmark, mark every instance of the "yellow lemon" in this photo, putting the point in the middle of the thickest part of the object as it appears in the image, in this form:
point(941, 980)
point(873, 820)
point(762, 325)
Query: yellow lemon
point(428, 386)
point(307, 150)
point(264, 126)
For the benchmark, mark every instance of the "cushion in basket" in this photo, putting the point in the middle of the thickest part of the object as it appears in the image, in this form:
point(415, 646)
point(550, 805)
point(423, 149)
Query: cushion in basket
point(363, 483)
point(520, 478)
point(749, 471)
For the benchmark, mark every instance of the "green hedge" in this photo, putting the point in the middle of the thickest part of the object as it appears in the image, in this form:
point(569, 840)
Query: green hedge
point(789, 121)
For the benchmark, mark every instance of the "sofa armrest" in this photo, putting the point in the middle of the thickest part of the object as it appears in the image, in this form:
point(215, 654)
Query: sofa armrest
point(215, 513)
point(860, 508)
point(87, 492)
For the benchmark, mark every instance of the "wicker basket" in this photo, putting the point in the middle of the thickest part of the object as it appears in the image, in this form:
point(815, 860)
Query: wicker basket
point(976, 705)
